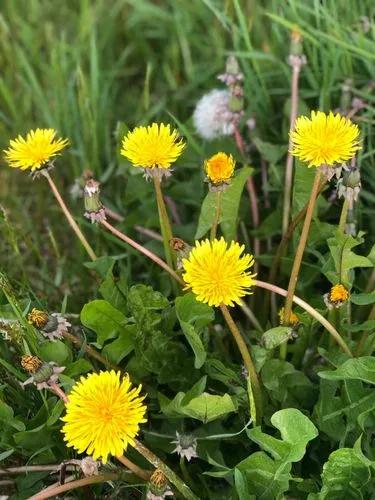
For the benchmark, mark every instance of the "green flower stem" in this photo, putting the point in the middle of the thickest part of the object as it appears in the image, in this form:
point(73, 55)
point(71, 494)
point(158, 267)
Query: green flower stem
point(143, 250)
point(216, 220)
point(310, 310)
point(169, 474)
point(69, 216)
point(165, 225)
point(298, 257)
point(86, 481)
point(249, 365)
point(343, 216)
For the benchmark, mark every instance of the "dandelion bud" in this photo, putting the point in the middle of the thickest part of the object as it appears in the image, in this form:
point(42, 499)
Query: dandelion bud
point(349, 185)
point(296, 57)
point(94, 209)
point(186, 446)
point(232, 73)
point(158, 486)
point(336, 297)
point(44, 375)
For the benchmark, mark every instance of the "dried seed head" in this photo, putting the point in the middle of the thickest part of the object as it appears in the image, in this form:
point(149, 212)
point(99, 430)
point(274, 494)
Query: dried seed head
point(30, 363)
point(38, 318)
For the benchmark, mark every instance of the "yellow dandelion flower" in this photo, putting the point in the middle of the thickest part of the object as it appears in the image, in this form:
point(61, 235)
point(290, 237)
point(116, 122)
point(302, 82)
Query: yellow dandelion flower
point(293, 318)
point(155, 146)
point(324, 139)
point(37, 149)
point(103, 415)
point(219, 168)
point(217, 273)
point(337, 296)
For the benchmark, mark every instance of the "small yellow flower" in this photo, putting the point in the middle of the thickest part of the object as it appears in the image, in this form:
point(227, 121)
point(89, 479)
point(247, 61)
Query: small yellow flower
point(336, 296)
point(219, 168)
point(155, 146)
point(293, 318)
point(324, 139)
point(38, 318)
point(103, 415)
point(216, 273)
point(37, 149)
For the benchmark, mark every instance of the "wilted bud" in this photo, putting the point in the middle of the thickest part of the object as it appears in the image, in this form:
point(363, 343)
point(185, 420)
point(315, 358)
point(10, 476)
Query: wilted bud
point(94, 209)
point(181, 248)
point(52, 326)
point(30, 363)
point(89, 466)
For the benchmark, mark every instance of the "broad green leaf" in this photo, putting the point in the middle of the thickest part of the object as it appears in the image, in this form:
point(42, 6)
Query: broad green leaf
point(362, 299)
point(265, 478)
point(7, 418)
point(230, 202)
point(296, 429)
point(356, 369)
point(114, 290)
point(104, 319)
point(78, 368)
point(102, 265)
point(56, 351)
point(193, 317)
point(344, 476)
point(122, 346)
point(344, 258)
point(270, 152)
point(276, 336)
point(303, 181)
point(208, 407)
point(198, 404)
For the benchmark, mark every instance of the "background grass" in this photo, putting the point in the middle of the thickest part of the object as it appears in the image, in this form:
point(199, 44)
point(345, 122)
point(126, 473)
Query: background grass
point(91, 69)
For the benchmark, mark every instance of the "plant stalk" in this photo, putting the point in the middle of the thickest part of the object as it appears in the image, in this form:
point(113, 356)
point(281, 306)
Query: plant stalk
point(138, 471)
point(165, 225)
point(86, 481)
point(69, 216)
point(343, 216)
point(310, 310)
point(216, 220)
point(299, 254)
point(170, 475)
point(143, 250)
point(289, 160)
point(90, 351)
point(247, 361)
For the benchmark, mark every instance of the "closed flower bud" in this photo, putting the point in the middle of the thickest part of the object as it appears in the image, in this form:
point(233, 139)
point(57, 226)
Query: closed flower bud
point(94, 209)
